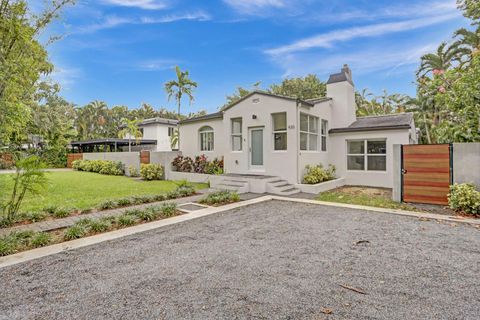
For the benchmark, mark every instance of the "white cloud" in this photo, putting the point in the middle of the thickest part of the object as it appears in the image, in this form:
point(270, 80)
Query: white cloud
point(157, 64)
point(142, 4)
point(374, 59)
point(115, 21)
point(251, 6)
point(326, 40)
point(66, 76)
point(198, 16)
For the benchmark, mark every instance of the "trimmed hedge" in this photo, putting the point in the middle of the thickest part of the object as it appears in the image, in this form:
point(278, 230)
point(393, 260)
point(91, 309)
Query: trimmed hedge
point(317, 174)
point(108, 167)
point(464, 198)
point(151, 171)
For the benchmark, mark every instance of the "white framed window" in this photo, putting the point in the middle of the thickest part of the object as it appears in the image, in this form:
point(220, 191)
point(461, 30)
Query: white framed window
point(369, 155)
point(237, 134)
point(323, 132)
point(170, 131)
point(308, 132)
point(279, 131)
point(206, 138)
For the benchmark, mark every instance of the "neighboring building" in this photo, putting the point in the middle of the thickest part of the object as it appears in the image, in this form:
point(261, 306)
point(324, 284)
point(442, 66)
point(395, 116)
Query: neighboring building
point(267, 134)
point(159, 129)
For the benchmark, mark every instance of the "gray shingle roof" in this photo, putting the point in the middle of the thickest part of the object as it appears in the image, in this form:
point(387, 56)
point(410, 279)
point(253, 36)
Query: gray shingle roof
point(385, 122)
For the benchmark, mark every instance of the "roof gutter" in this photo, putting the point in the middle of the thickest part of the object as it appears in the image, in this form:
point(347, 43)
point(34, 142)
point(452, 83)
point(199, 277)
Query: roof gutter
point(380, 128)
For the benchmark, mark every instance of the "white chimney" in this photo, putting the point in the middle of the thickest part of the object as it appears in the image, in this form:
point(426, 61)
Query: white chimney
point(341, 89)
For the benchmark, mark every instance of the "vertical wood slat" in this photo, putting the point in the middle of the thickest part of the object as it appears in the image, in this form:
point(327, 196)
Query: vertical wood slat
point(144, 157)
point(427, 173)
point(72, 157)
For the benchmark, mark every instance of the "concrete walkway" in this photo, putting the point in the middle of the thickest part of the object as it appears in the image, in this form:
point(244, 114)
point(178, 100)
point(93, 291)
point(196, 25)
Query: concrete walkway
point(69, 221)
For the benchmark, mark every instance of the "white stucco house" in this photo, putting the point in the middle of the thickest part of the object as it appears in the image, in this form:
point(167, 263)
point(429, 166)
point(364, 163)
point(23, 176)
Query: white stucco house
point(271, 135)
point(158, 129)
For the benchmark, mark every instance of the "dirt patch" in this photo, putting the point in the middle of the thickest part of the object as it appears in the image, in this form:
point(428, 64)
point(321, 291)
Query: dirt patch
point(368, 191)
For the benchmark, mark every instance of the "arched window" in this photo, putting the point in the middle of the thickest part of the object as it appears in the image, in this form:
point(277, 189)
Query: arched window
point(206, 138)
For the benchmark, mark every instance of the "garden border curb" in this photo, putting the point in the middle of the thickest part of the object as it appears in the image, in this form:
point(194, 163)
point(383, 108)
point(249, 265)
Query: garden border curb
point(87, 241)
point(83, 242)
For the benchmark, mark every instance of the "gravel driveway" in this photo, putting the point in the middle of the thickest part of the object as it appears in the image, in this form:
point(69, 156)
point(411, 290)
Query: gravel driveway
point(273, 260)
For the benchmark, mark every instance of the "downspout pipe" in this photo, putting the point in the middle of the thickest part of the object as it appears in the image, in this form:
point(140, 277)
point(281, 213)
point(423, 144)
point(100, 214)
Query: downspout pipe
point(297, 137)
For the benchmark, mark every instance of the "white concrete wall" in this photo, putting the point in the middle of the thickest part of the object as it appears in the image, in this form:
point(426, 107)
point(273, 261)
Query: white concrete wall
point(190, 139)
point(344, 107)
point(158, 132)
point(366, 178)
point(323, 111)
point(126, 158)
point(276, 163)
point(466, 163)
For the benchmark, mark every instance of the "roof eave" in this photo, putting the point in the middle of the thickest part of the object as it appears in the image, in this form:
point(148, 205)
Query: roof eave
point(380, 128)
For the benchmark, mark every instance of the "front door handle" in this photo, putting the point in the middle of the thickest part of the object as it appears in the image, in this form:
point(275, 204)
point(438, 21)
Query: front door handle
point(404, 171)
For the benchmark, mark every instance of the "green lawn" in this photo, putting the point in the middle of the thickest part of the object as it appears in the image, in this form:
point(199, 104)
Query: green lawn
point(85, 190)
point(372, 197)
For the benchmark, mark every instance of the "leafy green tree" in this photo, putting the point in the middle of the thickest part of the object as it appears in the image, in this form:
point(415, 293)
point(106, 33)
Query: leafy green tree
point(468, 43)
point(308, 87)
point(130, 130)
point(471, 9)
point(23, 60)
point(369, 104)
point(183, 85)
point(53, 121)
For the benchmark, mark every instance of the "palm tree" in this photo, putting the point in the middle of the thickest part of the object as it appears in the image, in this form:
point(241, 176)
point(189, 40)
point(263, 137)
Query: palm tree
point(182, 85)
point(131, 130)
point(439, 61)
point(468, 43)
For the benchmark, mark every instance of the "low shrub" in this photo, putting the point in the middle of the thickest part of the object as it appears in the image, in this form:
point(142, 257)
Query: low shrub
point(84, 222)
point(184, 188)
point(169, 209)
point(214, 167)
point(200, 164)
point(151, 171)
point(148, 214)
point(62, 212)
point(40, 239)
point(108, 204)
point(160, 197)
point(220, 197)
point(126, 220)
point(133, 171)
point(7, 246)
point(74, 232)
point(99, 225)
point(317, 174)
point(85, 211)
point(172, 195)
point(36, 216)
point(124, 202)
point(107, 167)
point(464, 198)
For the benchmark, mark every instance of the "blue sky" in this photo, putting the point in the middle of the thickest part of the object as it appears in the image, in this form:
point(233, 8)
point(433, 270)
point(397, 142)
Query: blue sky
point(123, 51)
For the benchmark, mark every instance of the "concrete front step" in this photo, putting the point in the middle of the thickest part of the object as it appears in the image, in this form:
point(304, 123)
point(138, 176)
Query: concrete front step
point(281, 187)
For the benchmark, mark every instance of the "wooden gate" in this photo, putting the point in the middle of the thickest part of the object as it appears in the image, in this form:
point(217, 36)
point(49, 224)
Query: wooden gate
point(426, 173)
point(144, 157)
point(72, 157)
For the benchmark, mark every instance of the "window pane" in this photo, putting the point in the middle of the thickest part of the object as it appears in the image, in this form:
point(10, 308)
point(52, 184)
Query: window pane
point(303, 141)
point(257, 147)
point(356, 147)
point(356, 162)
point(279, 121)
point(324, 143)
point(236, 126)
point(377, 147)
point(210, 141)
point(206, 128)
point(236, 143)
point(313, 142)
point(303, 122)
point(324, 127)
point(377, 163)
point(313, 128)
point(280, 141)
